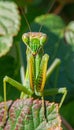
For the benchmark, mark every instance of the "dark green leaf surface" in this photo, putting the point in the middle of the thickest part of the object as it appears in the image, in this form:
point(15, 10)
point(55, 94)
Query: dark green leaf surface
point(8, 67)
point(67, 112)
point(9, 25)
point(28, 114)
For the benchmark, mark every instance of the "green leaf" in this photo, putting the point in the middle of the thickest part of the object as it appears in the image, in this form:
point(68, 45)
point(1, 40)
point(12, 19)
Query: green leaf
point(9, 25)
point(52, 22)
point(9, 18)
point(28, 114)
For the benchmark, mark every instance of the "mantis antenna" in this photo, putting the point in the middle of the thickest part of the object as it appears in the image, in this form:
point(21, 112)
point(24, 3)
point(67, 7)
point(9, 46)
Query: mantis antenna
point(27, 22)
point(50, 5)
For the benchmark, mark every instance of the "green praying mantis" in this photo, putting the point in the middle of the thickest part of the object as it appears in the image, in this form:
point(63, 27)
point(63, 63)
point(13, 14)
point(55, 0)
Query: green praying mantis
point(36, 71)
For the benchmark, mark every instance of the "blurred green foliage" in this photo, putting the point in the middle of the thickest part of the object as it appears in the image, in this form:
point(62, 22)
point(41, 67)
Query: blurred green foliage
point(56, 19)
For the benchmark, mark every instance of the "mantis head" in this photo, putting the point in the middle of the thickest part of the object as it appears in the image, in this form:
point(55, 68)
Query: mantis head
point(34, 41)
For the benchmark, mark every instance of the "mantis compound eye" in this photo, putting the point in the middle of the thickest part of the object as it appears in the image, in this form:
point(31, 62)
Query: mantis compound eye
point(25, 38)
point(43, 39)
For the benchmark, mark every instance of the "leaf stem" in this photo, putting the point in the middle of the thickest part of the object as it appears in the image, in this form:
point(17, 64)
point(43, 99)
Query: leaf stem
point(66, 124)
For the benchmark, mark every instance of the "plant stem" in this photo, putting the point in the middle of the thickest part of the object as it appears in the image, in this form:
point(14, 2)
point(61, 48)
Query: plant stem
point(21, 64)
point(66, 124)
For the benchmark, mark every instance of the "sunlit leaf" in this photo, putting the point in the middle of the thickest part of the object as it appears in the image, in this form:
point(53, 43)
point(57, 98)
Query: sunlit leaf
point(9, 25)
point(29, 114)
point(5, 44)
point(69, 34)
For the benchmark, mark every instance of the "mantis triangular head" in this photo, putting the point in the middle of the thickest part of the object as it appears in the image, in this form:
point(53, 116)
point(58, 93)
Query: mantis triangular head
point(34, 41)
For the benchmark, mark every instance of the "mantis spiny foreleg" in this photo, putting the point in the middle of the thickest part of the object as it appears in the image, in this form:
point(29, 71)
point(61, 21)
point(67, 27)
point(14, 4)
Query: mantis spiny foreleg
point(41, 78)
point(31, 71)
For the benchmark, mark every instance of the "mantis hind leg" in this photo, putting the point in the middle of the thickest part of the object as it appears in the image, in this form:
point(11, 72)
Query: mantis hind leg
point(64, 92)
point(18, 86)
point(55, 91)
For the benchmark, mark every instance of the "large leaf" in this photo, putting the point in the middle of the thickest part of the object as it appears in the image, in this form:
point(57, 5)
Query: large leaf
point(9, 25)
point(28, 114)
point(52, 22)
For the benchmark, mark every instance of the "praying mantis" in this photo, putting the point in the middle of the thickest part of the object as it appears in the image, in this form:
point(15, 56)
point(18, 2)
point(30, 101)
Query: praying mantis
point(36, 71)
